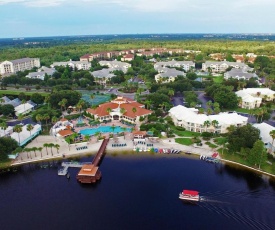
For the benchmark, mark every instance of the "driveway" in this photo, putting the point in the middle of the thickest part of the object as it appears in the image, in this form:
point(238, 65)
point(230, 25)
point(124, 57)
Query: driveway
point(25, 121)
point(203, 99)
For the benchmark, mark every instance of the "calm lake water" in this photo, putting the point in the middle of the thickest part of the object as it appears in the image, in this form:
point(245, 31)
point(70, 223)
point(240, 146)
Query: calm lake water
point(137, 193)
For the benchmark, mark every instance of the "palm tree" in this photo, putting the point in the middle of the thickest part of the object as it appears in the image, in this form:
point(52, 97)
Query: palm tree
point(47, 101)
point(134, 110)
point(27, 150)
point(209, 111)
point(30, 128)
point(217, 110)
point(231, 128)
point(272, 134)
point(171, 93)
point(86, 138)
point(97, 134)
point(46, 117)
point(109, 110)
point(209, 104)
point(206, 124)
point(124, 129)
point(51, 145)
point(92, 98)
point(215, 123)
point(39, 118)
point(113, 128)
point(63, 103)
point(18, 129)
point(80, 105)
point(122, 110)
point(20, 117)
point(40, 150)
point(34, 150)
point(46, 145)
point(57, 146)
point(4, 126)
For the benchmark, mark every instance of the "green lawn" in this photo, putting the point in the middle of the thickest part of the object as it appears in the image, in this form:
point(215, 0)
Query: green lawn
point(238, 158)
point(242, 110)
point(5, 164)
point(211, 145)
point(185, 133)
point(220, 140)
point(18, 91)
point(218, 79)
point(184, 141)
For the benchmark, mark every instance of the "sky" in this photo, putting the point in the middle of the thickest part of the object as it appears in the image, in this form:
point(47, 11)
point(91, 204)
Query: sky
point(36, 18)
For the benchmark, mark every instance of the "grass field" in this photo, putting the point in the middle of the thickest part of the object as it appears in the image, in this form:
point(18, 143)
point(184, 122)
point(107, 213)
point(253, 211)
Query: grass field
point(186, 133)
point(5, 164)
point(18, 91)
point(184, 141)
point(238, 158)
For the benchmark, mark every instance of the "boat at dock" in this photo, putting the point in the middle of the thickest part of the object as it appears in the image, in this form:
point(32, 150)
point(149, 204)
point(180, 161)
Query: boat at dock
point(190, 195)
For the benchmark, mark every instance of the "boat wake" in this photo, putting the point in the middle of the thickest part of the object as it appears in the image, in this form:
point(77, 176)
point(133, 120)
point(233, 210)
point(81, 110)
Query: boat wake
point(212, 202)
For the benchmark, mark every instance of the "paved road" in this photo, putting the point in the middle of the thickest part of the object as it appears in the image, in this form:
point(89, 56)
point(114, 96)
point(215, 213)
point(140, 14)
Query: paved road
point(203, 99)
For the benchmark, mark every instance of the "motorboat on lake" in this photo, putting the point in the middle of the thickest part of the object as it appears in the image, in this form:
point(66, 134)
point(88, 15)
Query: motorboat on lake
point(189, 195)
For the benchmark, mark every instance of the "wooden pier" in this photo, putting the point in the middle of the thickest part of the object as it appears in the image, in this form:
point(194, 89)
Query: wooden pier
point(89, 173)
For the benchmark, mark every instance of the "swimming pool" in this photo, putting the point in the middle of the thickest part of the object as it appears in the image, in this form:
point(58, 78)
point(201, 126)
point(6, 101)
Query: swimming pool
point(103, 129)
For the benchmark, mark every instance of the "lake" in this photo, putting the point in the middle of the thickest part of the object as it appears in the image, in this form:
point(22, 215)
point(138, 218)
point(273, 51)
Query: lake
point(138, 192)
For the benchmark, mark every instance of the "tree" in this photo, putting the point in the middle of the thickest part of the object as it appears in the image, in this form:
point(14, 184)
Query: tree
point(4, 126)
point(272, 134)
point(46, 117)
point(113, 128)
point(18, 130)
point(7, 145)
point(257, 154)
point(7, 110)
point(51, 145)
point(242, 137)
point(206, 124)
point(57, 146)
point(39, 118)
point(92, 98)
point(30, 128)
point(63, 103)
point(40, 150)
point(46, 145)
point(38, 98)
point(134, 110)
point(191, 76)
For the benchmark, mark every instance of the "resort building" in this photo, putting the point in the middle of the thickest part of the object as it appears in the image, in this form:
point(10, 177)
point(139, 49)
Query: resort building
point(239, 74)
point(116, 65)
point(102, 76)
point(122, 109)
point(13, 66)
point(80, 65)
point(252, 97)
point(23, 109)
point(128, 57)
point(166, 75)
point(265, 129)
point(185, 65)
point(41, 73)
point(6, 132)
point(191, 120)
point(219, 67)
point(62, 124)
point(23, 137)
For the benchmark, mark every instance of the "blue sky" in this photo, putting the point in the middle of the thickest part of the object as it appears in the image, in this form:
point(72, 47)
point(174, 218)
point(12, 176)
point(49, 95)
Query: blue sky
point(28, 18)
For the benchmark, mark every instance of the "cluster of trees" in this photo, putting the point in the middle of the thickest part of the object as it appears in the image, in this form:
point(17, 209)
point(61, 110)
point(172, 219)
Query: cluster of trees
point(223, 95)
point(7, 146)
point(246, 141)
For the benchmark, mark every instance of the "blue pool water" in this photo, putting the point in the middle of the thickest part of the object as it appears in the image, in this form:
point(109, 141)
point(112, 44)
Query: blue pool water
point(103, 129)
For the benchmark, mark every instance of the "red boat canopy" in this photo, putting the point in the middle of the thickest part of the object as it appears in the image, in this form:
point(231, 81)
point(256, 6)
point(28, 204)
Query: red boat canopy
point(190, 192)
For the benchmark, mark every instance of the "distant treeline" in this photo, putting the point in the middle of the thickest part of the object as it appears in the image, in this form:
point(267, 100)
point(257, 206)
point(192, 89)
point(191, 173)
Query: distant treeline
point(49, 53)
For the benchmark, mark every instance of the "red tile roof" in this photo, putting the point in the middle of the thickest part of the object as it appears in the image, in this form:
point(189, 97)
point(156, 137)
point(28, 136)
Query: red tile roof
point(65, 132)
point(101, 110)
point(63, 119)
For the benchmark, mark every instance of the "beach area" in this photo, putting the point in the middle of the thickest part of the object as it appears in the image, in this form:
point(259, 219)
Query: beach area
point(93, 145)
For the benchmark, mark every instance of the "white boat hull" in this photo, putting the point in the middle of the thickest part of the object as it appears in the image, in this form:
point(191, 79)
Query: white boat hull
point(194, 198)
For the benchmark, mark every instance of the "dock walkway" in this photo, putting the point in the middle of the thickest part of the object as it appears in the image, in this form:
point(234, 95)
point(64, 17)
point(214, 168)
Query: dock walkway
point(66, 165)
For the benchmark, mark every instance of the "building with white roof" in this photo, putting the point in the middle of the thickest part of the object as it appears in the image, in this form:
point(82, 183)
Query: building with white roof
point(102, 76)
point(265, 129)
point(7, 132)
point(80, 65)
point(192, 121)
point(168, 75)
point(239, 74)
point(23, 109)
point(219, 67)
point(23, 137)
point(116, 65)
point(247, 101)
point(252, 97)
point(41, 73)
point(185, 65)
